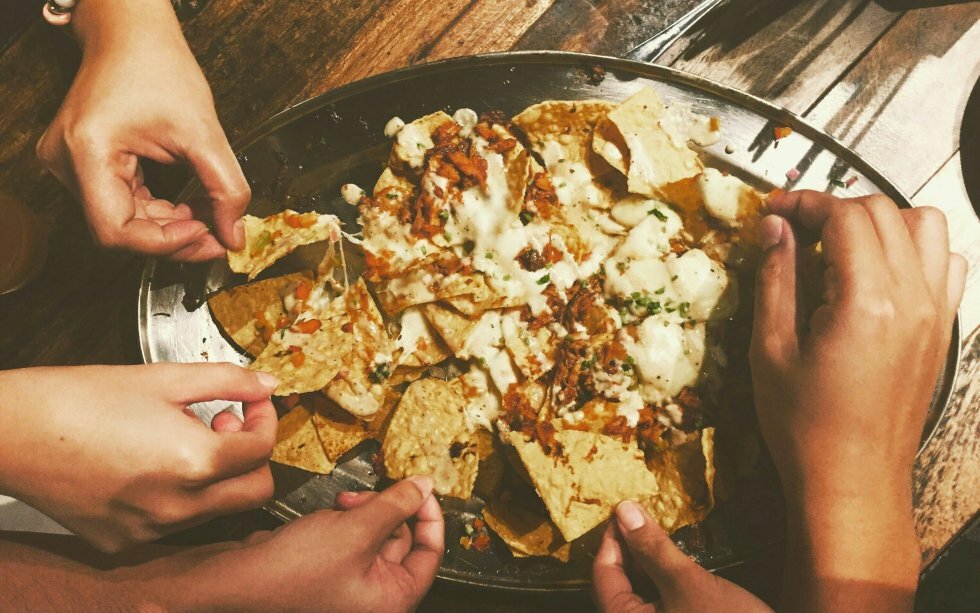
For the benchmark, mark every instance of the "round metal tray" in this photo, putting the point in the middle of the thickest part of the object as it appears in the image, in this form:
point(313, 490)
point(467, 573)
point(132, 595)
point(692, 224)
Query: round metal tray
point(301, 157)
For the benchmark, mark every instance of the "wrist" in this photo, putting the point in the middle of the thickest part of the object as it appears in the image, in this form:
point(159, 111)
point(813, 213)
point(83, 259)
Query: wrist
point(105, 25)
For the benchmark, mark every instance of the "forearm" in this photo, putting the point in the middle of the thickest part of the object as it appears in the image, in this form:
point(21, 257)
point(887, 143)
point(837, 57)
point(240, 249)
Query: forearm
point(61, 573)
point(849, 554)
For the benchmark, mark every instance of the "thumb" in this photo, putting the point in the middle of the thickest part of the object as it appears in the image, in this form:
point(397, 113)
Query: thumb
point(774, 336)
point(651, 548)
point(216, 166)
point(374, 521)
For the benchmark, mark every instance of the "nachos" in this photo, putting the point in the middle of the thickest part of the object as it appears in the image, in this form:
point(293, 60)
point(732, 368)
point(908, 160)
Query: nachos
point(541, 320)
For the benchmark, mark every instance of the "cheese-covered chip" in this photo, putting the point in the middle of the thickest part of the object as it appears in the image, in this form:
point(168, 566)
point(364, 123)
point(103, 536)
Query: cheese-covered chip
point(271, 238)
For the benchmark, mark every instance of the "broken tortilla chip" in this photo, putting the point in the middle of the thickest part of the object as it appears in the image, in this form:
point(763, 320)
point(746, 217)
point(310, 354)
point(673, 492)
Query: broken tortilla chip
point(685, 480)
point(321, 352)
point(655, 155)
point(584, 477)
point(360, 385)
point(427, 435)
point(248, 314)
point(271, 238)
point(298, 445)
point(339, 431)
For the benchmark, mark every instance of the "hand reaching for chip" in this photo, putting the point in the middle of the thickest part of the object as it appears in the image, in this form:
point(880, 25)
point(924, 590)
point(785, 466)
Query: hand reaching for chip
point(842, 404)
point(633, 539)
point(379, 553)
point(109, 452)
point(140, 94)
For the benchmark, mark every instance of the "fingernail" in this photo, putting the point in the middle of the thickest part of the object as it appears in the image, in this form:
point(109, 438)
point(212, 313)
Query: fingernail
point(771, 231)
point(238, 234)
point(267, 380)
point(630, 516)
point(424, 484)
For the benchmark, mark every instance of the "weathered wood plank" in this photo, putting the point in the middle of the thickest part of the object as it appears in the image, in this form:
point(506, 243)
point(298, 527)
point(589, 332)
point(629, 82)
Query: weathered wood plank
point(901, 105)
point(610, 27)
point(947, 488)
point(790, 53)
point(490, 25)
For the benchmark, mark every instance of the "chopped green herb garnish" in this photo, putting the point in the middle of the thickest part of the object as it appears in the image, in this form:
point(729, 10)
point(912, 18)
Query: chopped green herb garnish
point(506, 277)
point(684, 307)
point(660, 291)
point(544, 280)
point(444, 215)
point(446, 235)
point(653, 307)
point(381, 372)
point(526, 217)
point(658, 214)
point(674, 278)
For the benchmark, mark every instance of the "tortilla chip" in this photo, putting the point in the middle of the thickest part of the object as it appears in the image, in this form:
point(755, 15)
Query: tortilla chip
point(418, 343)
point(492, 464)
point(339, 431)
point(609, 143)
point(685, 477)
point(452, 326)
point(361, 384)
point(562, 129)
point(533, 351)
point(415, 138)
point(581, 485)
point(655, 158)
point(428, 436)
point(269, 239)
point(324, 351)
point(526, 532)
point(297, 443)
point(236, 310)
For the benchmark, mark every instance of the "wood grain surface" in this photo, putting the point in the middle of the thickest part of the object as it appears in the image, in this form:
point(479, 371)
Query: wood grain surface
point(889, 82)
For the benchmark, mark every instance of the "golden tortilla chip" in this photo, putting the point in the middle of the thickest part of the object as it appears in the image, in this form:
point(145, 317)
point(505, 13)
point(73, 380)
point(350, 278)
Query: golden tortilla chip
point(428, 436)
point(271, 238)
point(323, 351)
point(249, 313)
point(685, 477)
point(339, 431)
point(415, 138)
point(585, 477)
point(492, 464)
point(452, 326)
point(297, 443)
point(609, 143)
point(533, 351)
point(656, 158)
point(525, 532)
point(360, 385)
point(419, 344)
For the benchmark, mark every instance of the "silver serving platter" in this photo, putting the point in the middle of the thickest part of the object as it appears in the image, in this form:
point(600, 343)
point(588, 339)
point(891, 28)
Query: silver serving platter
point(301, 157)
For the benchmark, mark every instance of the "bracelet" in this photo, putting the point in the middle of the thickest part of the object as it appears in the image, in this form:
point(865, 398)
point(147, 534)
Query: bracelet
point(58, 12)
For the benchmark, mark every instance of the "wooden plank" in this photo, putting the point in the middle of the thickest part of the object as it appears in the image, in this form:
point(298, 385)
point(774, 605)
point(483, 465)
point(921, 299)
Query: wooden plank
point(790, 53)
point(946, 474)
point(490, 25)
point(610, 27)
point(400, 34)
point(901, 105)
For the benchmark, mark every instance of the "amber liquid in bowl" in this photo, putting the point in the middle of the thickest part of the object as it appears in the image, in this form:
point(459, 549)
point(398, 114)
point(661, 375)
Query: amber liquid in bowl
point(23, 245)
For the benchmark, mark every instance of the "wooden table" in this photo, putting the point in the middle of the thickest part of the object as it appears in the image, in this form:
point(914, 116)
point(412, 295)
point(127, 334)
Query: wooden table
point(888, 80)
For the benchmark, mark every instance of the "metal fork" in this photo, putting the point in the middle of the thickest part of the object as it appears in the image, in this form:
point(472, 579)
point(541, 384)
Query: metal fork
point(653, 48)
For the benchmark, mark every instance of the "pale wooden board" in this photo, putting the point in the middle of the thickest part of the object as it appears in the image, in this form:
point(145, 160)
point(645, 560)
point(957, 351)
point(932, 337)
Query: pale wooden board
point(901, 105)
point(790, 53)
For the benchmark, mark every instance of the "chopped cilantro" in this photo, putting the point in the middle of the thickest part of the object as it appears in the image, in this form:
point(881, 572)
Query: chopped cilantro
point(653, 307)
point(446, 235)
point(444, 215)
point(660, 291)
point(506, 277)
point(658, 214)
point(674, 278)
point(381, 372)
point(684, 307)
point(544, 280)
point(489, 255)
point(526, 217)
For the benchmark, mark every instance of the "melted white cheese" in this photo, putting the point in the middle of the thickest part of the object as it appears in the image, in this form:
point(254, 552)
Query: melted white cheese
point(701, 282)
point(682, 125)
point(414, 140)
point(394, 126)
point(351, 193)
point(667, 356)
point(722, 195)
point(467, 120)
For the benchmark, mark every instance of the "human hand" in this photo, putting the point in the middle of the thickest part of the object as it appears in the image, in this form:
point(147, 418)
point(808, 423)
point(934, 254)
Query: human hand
point(140, 94)
point(842, 404)
point(633, 536)
point(380, 552)
point(109, 452)
point(853, 390)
